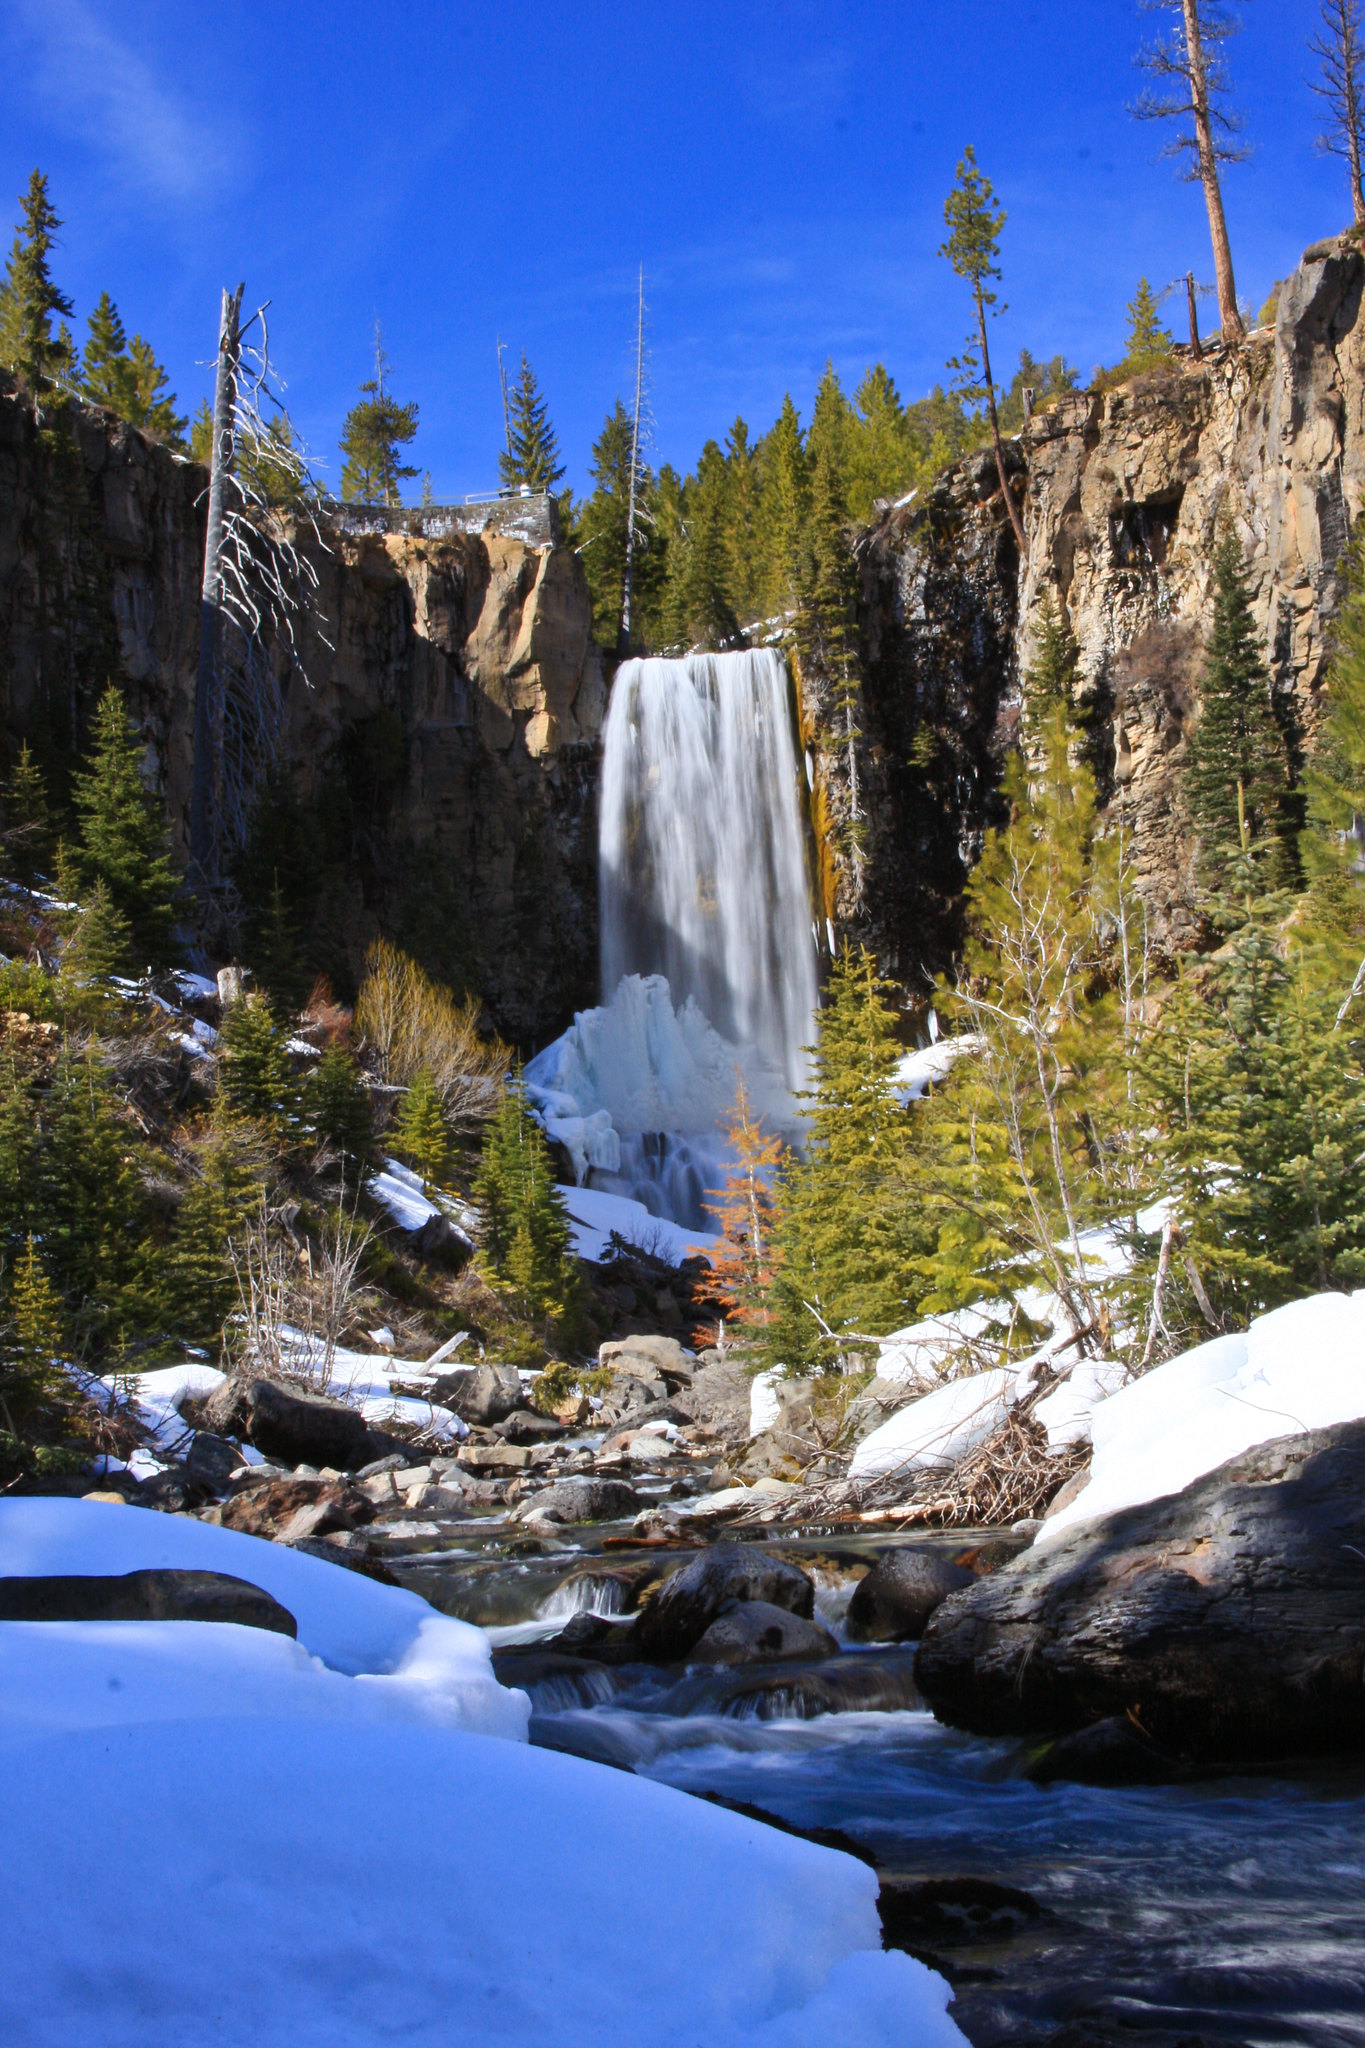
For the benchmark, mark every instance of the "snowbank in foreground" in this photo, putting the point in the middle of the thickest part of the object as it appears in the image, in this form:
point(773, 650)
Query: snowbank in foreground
point(436, 1668)
point(336, 1885)
point(1301, 1367)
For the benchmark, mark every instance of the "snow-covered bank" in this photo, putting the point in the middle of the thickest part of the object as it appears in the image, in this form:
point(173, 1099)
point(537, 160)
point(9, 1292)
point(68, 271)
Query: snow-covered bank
point(338, 1860)
point(352, 1624)
point(594, 1217)
point(1301, 1367)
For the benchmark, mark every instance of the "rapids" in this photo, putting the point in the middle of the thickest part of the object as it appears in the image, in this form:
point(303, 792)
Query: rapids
point(1221, 1912)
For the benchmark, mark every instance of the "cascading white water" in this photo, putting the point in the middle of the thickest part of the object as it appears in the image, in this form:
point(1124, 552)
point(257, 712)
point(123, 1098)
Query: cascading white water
point(708, 956)
point(702, 869)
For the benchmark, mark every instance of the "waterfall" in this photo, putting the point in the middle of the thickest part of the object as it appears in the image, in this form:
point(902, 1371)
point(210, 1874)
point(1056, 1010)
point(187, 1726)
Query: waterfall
point(708, 954)
point(702, 869)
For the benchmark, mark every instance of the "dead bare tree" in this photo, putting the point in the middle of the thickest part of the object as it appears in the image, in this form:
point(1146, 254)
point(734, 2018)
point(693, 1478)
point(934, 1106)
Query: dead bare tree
point(257, 585)
point(1342, 61)
point(1190, 85)
point(634, 507)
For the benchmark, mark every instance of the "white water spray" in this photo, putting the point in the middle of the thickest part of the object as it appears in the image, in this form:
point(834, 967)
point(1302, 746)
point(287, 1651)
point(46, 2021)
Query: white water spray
point(708, 958)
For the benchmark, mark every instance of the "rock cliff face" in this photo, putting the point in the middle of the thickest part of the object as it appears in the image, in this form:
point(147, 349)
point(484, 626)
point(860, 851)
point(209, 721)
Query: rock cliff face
point(444, 743)
point(1123, 493)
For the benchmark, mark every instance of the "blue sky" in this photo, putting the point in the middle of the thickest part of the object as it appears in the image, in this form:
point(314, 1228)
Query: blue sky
point(468, 169)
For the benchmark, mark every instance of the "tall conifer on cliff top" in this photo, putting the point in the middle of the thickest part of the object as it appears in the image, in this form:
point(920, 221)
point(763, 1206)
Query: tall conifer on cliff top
point(534, 455)
point(29, 298)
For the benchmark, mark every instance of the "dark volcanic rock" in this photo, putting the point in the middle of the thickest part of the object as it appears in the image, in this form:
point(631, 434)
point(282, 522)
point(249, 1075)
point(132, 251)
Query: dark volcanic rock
point(893, 1603)
point(1227, 1620)
point(946, 1911)
point(293, 1509)
point(1111, 1752)
point(212, 1460)
point(588, 1500)
point(160, 1595)
point(755, 1632)
point(295, 1427)
point(481, 1394)
point(689, 1601)
point(176, 1491)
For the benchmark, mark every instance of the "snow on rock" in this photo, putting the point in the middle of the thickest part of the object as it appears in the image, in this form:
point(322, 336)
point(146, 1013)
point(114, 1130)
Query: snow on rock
point(1066, 1412)
point(916, 1071)
point(764, 1406)
point(436, 1667)
point(333, 1883)
point(1301, 1367)
point(934, 1432)
point(157, 1396)
point(399, 1190)
point(595, 1215)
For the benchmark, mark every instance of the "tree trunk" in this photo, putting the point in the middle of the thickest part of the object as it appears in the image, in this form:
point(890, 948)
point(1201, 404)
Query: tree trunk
point(1015, 521)
point(623, 636)
point(1229, 317)
point(1195, 349)
point(210, 605)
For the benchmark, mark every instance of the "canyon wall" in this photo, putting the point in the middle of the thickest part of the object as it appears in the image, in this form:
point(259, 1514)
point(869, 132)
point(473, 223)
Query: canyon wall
point(1123, 493)
point(439, 730)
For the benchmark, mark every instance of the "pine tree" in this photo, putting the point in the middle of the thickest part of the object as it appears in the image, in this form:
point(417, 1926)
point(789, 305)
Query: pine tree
point(883, 462)
point(849, 1235)
point(526, 1230)
point(973, 249)
point(1235, 758)
point(147, 403)
point(741, 520)
point(124, 841)
point(100, 945)
point(603, 520)
point(17, 1141)
point(29, 1373)
point(698, 609)
point(104, 364)
point(827, 622)
point(255, 1078)
point(196, 1284)
point(1052, 677)
point(28, 817)
point(29, 298)
point(783, 506)
point(1149, 343)
point(1025, 1143)
point(421, 1134)
point(336, 1103)
point(371, 436)
point(534, 455)
point(89, 1206)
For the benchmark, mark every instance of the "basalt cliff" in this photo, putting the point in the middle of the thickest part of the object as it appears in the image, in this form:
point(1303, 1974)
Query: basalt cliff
point(1123, 492)
point(438, 729)
point(441, 730)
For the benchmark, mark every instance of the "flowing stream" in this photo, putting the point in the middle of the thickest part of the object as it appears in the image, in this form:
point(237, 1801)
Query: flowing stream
point(1227, 1912)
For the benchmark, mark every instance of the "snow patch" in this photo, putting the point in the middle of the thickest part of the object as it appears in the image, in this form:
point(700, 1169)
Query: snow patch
point(594, 1216)
point(1301, 1367)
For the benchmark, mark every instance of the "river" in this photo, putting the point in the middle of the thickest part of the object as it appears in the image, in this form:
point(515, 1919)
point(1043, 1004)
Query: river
point(1229, 1911)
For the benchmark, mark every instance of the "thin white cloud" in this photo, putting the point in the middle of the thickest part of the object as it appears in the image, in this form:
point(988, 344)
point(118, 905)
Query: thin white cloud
point(108, 97)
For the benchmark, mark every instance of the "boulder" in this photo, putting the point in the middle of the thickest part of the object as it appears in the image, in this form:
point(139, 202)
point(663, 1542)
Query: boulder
point(524, 1426)
point(587, 1500)
point(175, 1491)
point(651, 1358)
point(719, 1396)
point(893, 1603)
point(480, 1394)
point(756, 1632)
point(212, 1460)
point(289, 1509)
point(630, 1398)
point(297, 1427)
point(1227, 1621)
point(440, 1242)
point(158, 1595)
point(494, 1459)
point(689, 1601)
